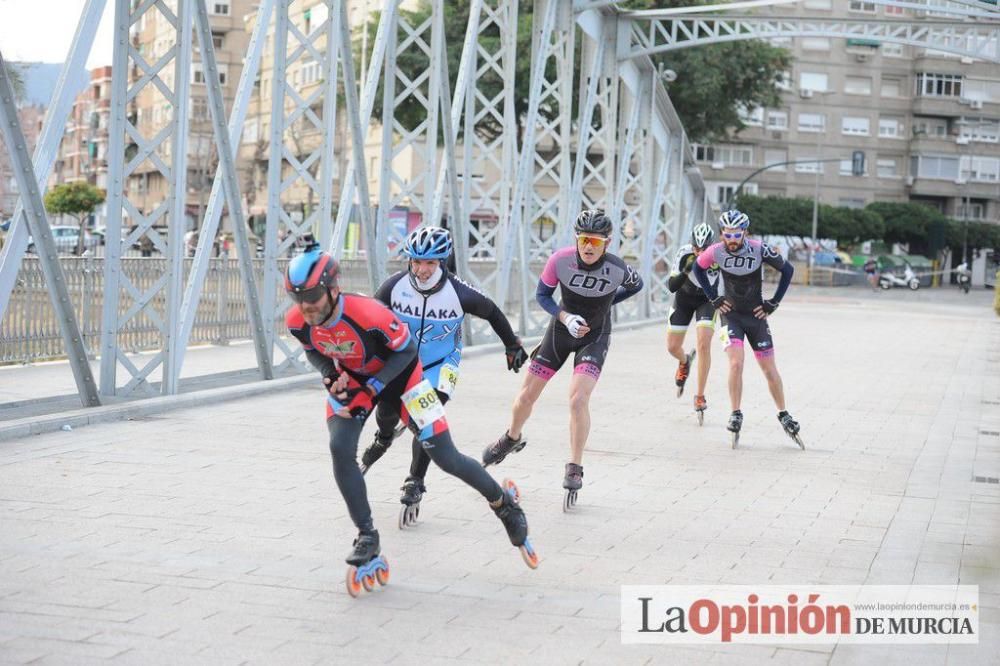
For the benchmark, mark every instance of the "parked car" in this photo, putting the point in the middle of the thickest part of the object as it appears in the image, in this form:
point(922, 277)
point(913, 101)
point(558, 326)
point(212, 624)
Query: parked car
point(66, 238)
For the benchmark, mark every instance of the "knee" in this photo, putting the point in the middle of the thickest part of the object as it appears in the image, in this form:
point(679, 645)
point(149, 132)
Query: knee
point(526, 398)
point(675, 345)
point(735, 364)
point(579, 401)
point(704, 346)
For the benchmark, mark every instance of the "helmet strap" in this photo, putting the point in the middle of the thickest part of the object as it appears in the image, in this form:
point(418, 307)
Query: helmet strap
point(334, 302)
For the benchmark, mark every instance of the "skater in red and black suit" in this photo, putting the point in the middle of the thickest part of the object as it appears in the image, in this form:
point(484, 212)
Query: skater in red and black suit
point(366, 357)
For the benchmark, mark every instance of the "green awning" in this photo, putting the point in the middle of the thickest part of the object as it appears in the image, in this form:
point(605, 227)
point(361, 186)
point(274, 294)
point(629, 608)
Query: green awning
point(870, 43)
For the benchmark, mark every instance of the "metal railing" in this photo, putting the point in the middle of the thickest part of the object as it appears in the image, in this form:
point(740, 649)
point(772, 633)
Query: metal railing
point(29, 331)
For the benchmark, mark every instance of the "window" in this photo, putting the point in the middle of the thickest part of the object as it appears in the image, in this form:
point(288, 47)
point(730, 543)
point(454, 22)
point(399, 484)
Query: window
point(310, 72)
point(845, 168)
point(855, 126)
point(753, 118)
point(315, 18)
point(812, 81)
point(812, 122)
point(858, 85)
point(250, 131)
point(815, 44)
point(981, 169)
point(983, 131)
point(851, 203)
point(945, 168)
point(777, 120)
point(939, 85)
point(774, 157)
point(199, 108)
point(890, 50)
point(974, 211)
point(936, 128)
point(806, 166)
point(217, 40)
point(724, 192)
point(890, 128)
point(219, 7)
point(785, 82)
point(887, 168)
point(818, 4)
point(893, 11)
point(891, 87)
point(860, 6)
point(726, 155)
point(198, 75)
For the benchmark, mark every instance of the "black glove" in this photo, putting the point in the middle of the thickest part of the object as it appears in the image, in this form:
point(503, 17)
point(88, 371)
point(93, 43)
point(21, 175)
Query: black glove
point(720, 301)
point(688, 264)
point(769, 306)
point(331, 379)
point(516, 357)
point(357, 399)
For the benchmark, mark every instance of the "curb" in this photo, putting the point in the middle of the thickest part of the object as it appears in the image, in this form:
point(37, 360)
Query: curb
point(37, 425)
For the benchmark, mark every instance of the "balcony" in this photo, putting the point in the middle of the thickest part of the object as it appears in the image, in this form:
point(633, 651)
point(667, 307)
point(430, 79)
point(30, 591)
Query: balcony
point(948, 107)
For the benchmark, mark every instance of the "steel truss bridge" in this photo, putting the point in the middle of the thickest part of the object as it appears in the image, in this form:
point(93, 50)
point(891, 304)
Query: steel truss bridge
point(624, 151)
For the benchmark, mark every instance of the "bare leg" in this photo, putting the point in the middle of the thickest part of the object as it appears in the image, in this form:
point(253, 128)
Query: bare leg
point(735, 352)
point(580, 389)
point(530, 390)
point(704, 342)
point(675, 345)
point(770, 368)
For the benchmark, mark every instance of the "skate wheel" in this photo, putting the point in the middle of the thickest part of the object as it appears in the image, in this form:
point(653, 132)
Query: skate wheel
point(569, 500)
point(353, 584)
point(798, 440)
point(701, 417)
point(736, 439)
point(364, 469)
point(382, 573)
point(680, 391)
point(404, 516)
point(368, 582)
point(529, 555)
point(511, 489)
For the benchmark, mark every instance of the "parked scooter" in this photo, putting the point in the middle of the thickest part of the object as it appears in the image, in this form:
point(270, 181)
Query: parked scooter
point(890, 280)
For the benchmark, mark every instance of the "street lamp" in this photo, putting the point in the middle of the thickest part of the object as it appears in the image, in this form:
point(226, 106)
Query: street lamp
point(815, 216)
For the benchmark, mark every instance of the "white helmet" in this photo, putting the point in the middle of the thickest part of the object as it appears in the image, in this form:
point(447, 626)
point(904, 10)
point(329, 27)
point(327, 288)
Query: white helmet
point(702, 236)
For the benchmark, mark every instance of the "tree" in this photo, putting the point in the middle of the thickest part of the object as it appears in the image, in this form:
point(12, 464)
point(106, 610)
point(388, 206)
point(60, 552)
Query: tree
point(793, 217)
point(910, 223)
point(78, 199)
point(713, 82)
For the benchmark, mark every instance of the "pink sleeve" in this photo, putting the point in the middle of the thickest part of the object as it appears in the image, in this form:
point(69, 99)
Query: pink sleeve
point(550, 275)
point(707, 258)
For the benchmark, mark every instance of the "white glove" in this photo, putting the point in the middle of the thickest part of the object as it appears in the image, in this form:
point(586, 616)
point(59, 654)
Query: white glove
point(573, 323)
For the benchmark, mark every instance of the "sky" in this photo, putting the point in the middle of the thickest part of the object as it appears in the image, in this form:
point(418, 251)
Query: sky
point(42, 30)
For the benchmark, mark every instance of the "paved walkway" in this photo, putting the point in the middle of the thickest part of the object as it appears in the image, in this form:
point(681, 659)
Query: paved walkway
point(216, 535)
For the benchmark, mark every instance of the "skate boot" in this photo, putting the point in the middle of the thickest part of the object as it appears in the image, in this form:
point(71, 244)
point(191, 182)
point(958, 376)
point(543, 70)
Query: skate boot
point(367, 565)
point(514, 521)
point(496, 452)
point(700, 405)
point(734, 426)
point(413, 491)
point(375, 451)
point(791, 427)
point(572, 483)
point(683, 370)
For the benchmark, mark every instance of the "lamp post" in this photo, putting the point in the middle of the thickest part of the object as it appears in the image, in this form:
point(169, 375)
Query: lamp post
point(815, 216)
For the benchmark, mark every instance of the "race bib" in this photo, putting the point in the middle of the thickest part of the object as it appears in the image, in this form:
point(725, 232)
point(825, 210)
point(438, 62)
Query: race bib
point(423, 405)
point(447, 378)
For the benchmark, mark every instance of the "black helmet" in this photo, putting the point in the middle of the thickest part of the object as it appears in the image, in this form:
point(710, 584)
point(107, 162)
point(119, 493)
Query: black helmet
point(593, 221)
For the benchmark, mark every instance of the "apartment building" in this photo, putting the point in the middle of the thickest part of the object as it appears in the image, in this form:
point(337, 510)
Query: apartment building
point(927, 121)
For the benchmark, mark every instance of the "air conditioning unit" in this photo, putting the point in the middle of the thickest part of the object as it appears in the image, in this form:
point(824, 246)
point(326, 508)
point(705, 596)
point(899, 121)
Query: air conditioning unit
point(962, 140)
point(909, 181)
point(862, 57)
point(975, 104)
point(967, 61)
point(806, 94)
point(718, 165)
point(776, 134)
